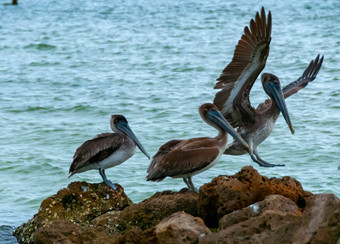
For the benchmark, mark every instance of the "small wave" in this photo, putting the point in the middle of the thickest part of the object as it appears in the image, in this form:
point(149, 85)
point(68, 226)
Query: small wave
point(41, 46)
point(40, 64)
point(6, 234)
point(28, 109)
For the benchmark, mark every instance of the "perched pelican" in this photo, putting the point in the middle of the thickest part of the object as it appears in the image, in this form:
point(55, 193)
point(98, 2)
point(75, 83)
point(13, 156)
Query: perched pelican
point(107, 150)
point(185, 158)
point(237, 79)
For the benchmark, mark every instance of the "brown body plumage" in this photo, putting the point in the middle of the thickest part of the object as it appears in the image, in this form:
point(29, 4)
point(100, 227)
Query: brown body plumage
point(185, 158)
point(107, 150)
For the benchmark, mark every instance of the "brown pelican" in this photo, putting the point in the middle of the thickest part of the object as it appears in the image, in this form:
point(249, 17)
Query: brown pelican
point(185, 158)
point(237, 79)
point(107, 150)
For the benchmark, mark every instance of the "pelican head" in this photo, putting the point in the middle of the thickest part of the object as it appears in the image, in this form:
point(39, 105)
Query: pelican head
point(271, 85)
point(119, 124)
point(210, 114)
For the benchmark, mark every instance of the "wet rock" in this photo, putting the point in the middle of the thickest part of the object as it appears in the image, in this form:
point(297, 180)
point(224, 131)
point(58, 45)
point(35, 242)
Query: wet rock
point(151, 211)
point(79, 203)
point(180, 228)
point(225, 194)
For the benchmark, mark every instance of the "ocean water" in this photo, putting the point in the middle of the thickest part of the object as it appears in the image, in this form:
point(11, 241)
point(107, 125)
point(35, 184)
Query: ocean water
point(66, 66)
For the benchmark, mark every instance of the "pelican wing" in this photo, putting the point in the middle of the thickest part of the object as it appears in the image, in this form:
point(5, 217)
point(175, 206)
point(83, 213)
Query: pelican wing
point(95, 150)
point(180, 162)
point(307, 76)
point(238, 77)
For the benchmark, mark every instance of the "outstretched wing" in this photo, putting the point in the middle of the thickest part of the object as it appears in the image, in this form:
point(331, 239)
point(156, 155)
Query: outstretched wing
point(238, 77)
point(95, 150)
point(308, 75)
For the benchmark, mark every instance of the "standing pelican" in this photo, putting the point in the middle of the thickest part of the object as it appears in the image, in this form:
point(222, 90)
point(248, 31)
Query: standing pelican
point(107, 150)
point(237, 79)
point(185, 158)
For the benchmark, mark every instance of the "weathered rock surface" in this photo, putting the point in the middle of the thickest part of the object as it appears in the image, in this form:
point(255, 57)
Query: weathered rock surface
point(79, 203)
point(243, 208)
point(180, 228)
point(151, 211)
point(225, 194)
point(277, 220)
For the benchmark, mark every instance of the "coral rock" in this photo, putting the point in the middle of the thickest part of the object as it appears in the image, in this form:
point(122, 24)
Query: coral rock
point(229, 193)
point(149, 212)
point(79, 203)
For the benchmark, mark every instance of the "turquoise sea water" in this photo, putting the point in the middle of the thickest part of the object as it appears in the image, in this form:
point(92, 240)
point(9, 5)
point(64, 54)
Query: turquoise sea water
point(66, 66)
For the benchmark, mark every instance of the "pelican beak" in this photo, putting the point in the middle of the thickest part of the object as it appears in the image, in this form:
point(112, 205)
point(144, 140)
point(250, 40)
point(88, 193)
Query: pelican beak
point(277, 94)
point(217, 118)
point(124, 127)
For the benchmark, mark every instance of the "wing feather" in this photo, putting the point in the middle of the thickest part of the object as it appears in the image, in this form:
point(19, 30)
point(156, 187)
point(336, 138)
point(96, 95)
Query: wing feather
point(96, 150)
point(239, 75)
point(307, 76)
point(181, 162)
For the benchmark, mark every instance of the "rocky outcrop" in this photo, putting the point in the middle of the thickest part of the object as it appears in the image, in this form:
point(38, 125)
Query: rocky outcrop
point(151, 211)
point(77, 204)
point(242, 208)
point(225, 194)
point(278, 220)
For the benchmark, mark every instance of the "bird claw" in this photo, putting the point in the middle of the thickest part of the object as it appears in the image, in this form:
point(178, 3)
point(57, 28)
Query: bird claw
point(271, 165)
point(110, 184)
point(263, 163)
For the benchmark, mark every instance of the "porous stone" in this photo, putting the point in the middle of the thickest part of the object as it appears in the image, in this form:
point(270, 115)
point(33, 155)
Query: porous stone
point(225, 194)
point(79, 203)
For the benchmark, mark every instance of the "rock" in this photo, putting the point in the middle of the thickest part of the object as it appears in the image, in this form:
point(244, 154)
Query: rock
point(151, 211)
point(243, 208)
point(180, 228)
point(277, 220)
point(79, 203)
point(63, 232)
point(320, 221)
point(229, 193)
point(274, 203)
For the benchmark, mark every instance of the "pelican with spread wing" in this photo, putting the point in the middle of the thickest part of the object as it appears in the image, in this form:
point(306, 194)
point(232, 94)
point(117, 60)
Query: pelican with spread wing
point(237, 79)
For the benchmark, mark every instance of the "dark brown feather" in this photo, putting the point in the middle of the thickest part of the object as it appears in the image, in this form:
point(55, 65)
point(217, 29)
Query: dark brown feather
point(96, 150)
point(180, 162)
point(249, 59)
point(178, 157)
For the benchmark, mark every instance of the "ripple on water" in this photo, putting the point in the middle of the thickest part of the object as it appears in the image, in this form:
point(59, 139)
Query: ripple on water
point(65, 68)
point(41, 46)
point(6, 236)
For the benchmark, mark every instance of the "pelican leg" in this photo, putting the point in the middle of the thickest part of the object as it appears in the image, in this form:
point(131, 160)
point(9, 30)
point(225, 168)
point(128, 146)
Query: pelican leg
point(186, 182)
point(107, 182)
point(256, 158)
point(193, 188)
